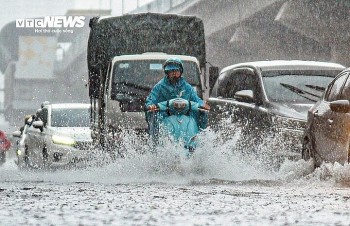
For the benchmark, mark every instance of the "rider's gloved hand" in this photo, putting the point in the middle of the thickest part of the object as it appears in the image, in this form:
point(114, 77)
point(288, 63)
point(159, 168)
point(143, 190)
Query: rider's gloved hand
point(152, 107)
point(206, 106)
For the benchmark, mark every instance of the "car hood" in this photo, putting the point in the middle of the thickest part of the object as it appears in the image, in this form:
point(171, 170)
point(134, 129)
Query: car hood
point(78, 133)
point(291, 110)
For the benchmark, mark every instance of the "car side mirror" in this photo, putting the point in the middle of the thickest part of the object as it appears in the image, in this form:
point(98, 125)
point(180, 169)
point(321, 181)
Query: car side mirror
point(213, 75)
point(17, 134)
point(340, 106)
point(38, 124)
point(244, 96)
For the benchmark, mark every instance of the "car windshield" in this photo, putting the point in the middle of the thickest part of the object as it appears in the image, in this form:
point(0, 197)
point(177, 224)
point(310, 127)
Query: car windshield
point(139, 76)
point(296, 86)
point(70, 117)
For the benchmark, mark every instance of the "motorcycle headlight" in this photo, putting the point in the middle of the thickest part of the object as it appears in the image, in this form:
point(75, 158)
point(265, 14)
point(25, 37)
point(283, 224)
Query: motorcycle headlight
point(63, 140)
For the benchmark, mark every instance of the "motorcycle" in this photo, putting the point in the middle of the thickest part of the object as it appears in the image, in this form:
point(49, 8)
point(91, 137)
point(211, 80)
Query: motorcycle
point(178, 118)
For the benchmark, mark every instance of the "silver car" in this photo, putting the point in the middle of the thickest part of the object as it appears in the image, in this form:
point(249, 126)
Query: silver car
point(327, 134)
point(57, 136)
point(269, 101)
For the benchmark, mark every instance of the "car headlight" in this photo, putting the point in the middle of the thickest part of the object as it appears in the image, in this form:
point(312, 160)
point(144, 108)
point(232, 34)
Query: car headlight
point(63, 140)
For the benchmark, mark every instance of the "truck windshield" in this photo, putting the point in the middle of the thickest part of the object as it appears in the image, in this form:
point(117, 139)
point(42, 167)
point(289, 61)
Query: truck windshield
point(70, 117)
point(296, 86)
point(138, 77)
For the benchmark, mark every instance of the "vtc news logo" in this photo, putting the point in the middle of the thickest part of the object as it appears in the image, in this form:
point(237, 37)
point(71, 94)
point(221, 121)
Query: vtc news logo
point(52, 22)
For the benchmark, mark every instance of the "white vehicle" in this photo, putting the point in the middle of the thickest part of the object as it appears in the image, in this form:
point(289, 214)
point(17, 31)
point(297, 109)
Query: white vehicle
point(57, 136)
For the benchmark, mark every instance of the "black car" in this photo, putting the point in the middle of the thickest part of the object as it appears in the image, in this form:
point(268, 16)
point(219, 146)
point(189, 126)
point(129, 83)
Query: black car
point(327, 135)
point(268, 100)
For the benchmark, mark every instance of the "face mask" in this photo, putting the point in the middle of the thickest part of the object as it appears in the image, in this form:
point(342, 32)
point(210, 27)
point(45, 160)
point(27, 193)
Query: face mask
point(173, 78)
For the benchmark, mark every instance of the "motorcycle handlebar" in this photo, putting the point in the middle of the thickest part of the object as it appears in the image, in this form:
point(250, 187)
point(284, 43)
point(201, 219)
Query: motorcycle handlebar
point(203, 110)
point(158, 109)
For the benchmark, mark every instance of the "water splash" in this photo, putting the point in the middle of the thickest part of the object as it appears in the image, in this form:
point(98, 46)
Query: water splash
point(216, 160)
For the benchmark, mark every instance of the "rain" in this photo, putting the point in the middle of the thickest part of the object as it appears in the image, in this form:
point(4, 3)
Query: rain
point(231, 178)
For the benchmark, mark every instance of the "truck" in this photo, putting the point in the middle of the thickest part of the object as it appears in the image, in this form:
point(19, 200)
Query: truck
point(125, 57)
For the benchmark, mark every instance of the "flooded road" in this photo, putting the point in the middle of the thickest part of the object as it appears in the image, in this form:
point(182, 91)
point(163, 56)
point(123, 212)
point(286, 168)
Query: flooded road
point(219, 186)
point(204, 203)
point(103, 196)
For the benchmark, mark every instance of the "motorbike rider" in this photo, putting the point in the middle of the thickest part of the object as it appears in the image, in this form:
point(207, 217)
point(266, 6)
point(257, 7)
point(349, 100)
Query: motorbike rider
point(174, 85)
